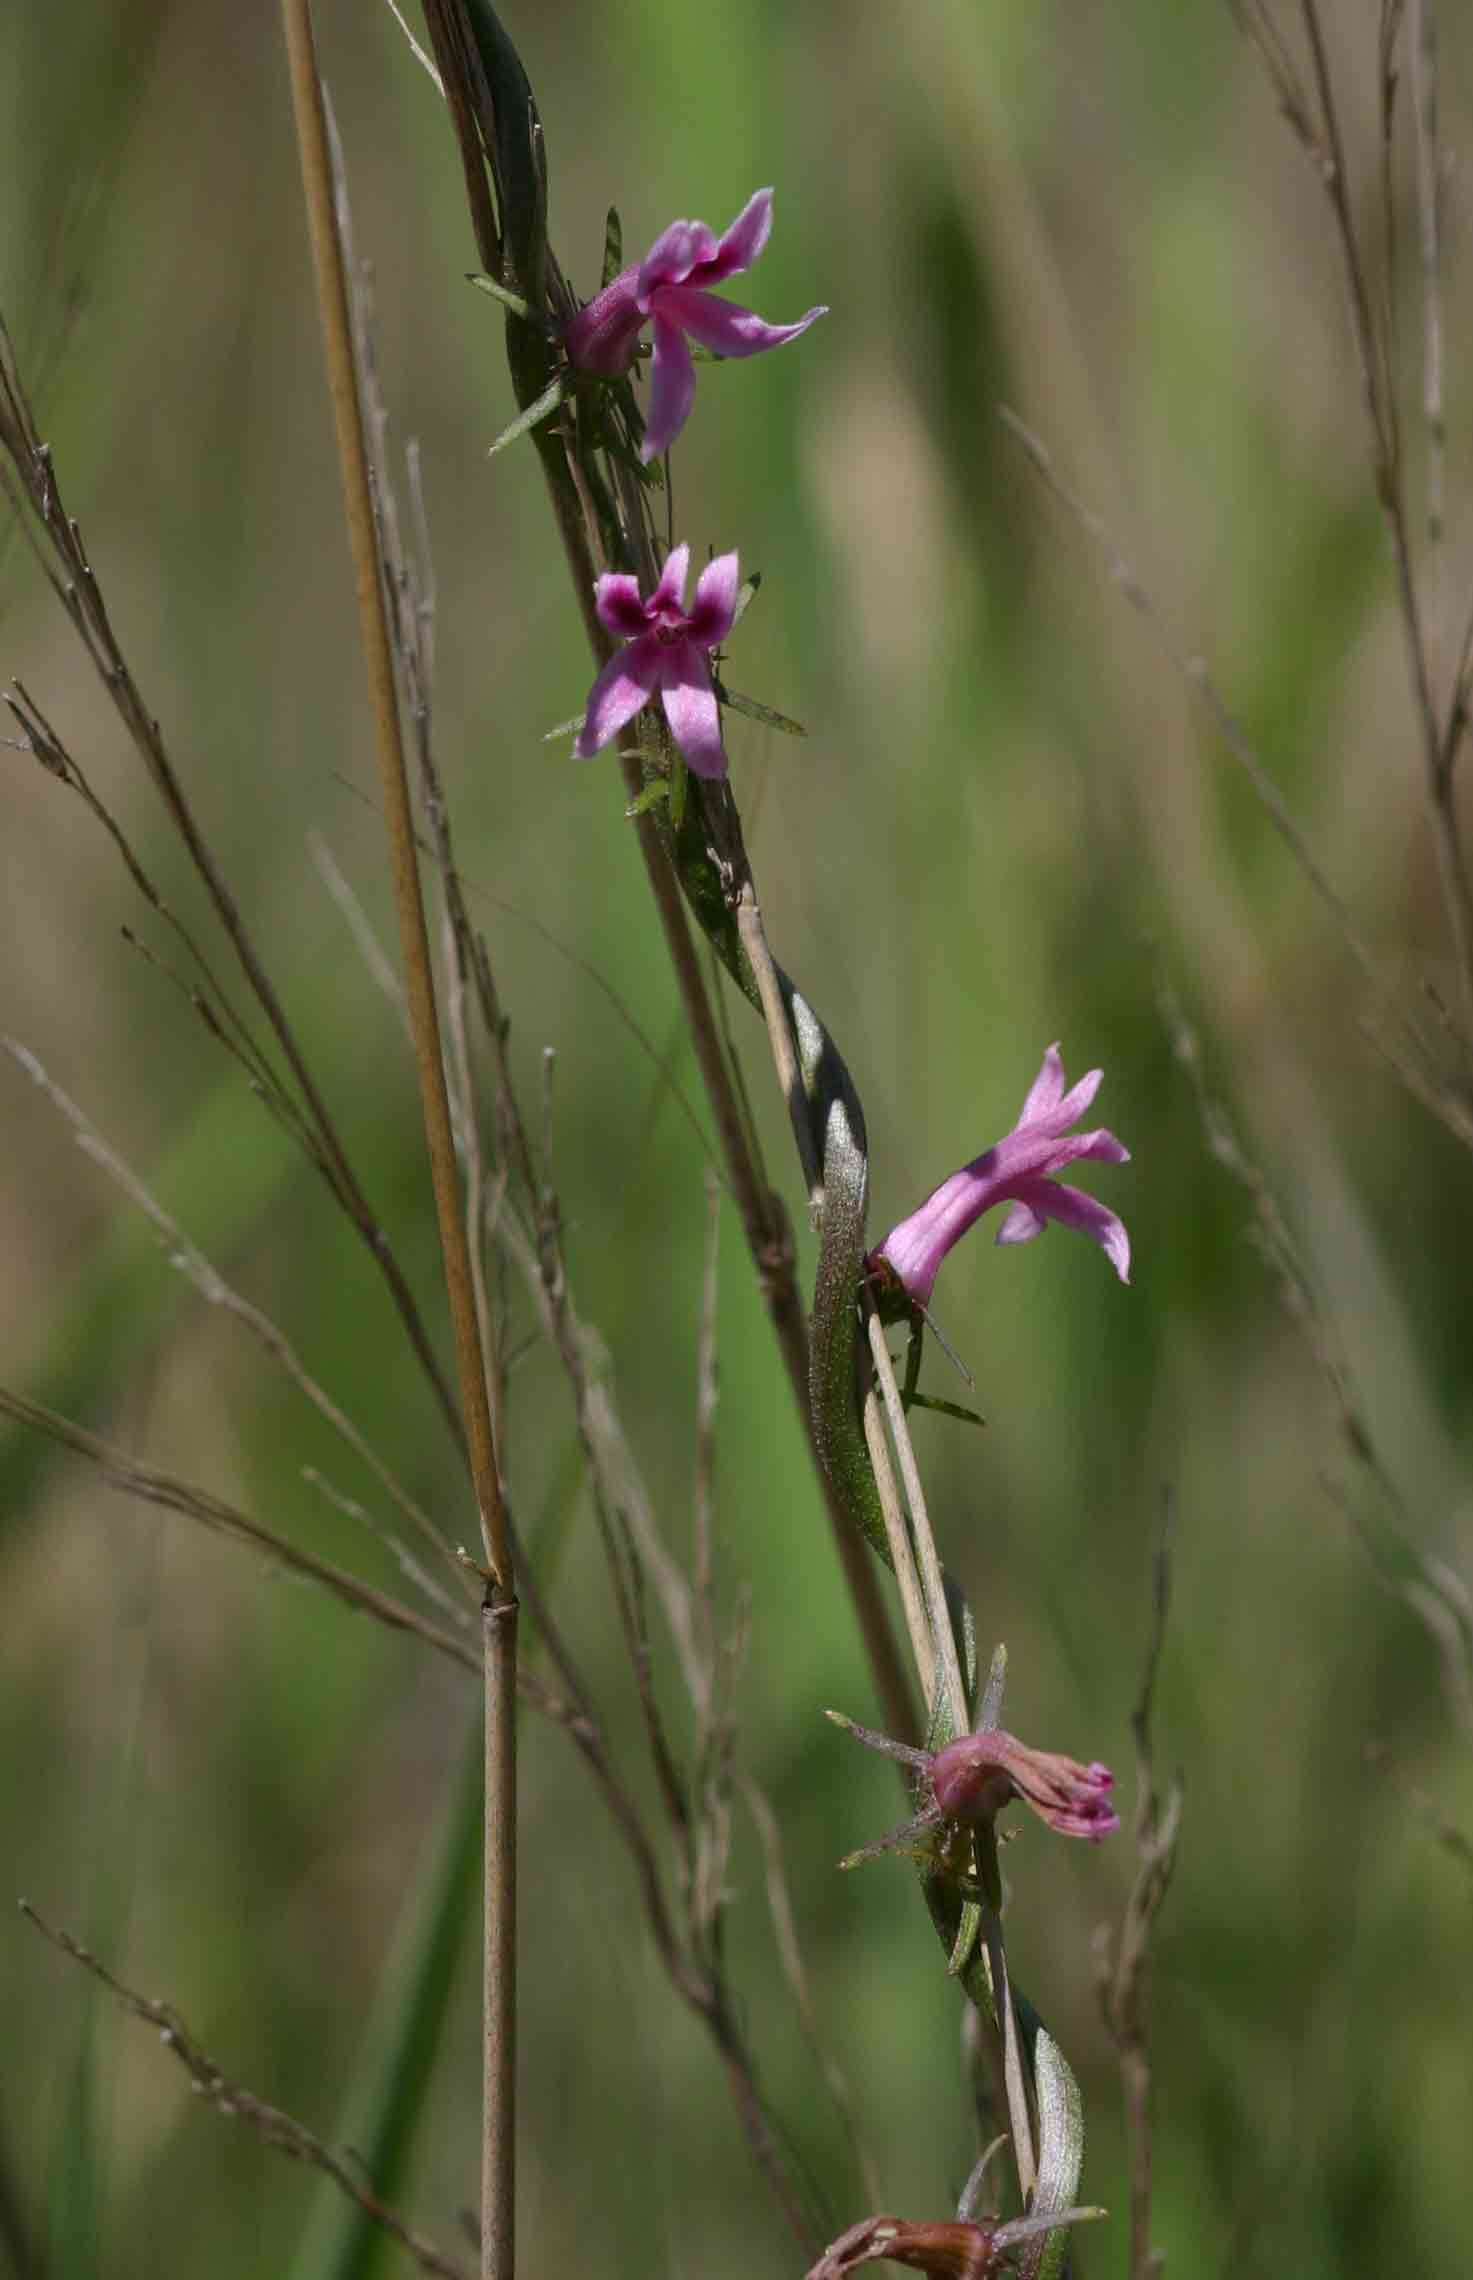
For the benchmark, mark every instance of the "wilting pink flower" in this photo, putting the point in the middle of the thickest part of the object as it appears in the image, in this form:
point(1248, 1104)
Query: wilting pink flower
point(961, 2251)
point(1016, 1171)
point(974, 1777)
point(666, 649)
point(668, 292)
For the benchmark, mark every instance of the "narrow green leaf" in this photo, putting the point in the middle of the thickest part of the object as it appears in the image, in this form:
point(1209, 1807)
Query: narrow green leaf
point(769, 717)
point(656, 790)
point(1060, 2151)
point(402, 2040)
point(508, 299)
point(555, 393)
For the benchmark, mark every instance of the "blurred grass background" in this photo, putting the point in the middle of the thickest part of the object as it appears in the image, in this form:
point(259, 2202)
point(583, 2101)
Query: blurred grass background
point(1008, 824)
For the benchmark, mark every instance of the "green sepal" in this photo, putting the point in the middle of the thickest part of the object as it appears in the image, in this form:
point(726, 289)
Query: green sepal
point(542, 407)
point(945, 1408)
point(657, 789)
point(746, 595)
point(754, 710)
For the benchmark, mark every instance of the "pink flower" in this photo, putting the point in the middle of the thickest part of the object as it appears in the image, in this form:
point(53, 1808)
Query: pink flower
point(1016, 1171)
point(666, 648)
point(667, 290)
point(974, 1777)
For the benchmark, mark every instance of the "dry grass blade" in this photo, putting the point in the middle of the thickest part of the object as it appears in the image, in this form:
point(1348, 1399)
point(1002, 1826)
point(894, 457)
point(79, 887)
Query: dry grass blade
point(280, 2131)
point(56, 541)
point(790, 1955)
point(175, 1495)
point(191, 1262)
point(1436, 1596)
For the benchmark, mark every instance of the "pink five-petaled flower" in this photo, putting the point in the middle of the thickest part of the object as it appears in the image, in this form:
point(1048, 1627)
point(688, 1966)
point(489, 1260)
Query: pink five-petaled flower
point(1016, 1171)
point(668, 292)
point(666, 649)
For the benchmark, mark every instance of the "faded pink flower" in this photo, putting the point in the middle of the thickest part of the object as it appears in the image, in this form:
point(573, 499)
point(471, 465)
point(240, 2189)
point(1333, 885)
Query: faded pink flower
point(1017, 1171)
point(666, 649)
point(668, 292)
point(974, 1777)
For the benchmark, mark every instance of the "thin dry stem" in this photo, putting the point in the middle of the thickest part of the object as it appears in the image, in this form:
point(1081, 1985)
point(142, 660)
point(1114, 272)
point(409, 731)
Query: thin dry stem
point(953, 1686)
point(278, 2130)
point(498, 2179)
point(1429, 239)
point(190, 1261)
point(1122, 1968)
point(68, 570)
point(176, 1495)
point(1436, 1596)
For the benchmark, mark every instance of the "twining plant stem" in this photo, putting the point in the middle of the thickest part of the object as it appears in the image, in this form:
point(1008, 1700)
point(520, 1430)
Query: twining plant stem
point(499, 1618)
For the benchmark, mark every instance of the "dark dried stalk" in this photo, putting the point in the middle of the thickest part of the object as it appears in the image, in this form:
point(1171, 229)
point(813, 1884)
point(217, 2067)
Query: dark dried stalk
point(1122, 1970)
point(499, 1614)
point(276, 2129)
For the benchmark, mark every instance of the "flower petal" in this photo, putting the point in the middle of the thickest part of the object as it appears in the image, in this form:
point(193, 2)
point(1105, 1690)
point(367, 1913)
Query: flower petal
point(723, 327)
point(617, 600)
point(691, 708)
point(601, 337)
point(673, 256)
point(622, 689)
point(1055, 1199)
point(1076, 1100)
point(714, 609)
point(1046, 1090)
point(672, 390)
point(1021, 1224)
point(668, 599)
point(741, 244)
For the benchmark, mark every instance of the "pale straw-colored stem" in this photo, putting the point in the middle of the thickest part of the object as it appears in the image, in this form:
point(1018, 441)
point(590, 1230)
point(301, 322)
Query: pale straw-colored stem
point(499, 1622)
point(947, 1661)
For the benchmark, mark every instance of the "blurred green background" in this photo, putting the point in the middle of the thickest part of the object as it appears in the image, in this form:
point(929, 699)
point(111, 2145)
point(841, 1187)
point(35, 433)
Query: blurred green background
point(1009, 824)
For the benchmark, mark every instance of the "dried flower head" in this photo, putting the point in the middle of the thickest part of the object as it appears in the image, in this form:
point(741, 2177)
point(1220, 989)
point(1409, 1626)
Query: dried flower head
point(971, 1779)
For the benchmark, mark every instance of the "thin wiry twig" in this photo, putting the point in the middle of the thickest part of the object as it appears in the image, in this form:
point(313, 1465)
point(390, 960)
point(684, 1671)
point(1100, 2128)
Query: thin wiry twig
point(1122, 1968)
point(1193, 669)
point(34, 486)
point(1436, 1596)
point(175, 1495)
point(1455, 1842)
point(212, 1286)
point(790, 1952)
point(1429, 239)
point(1407, 1051)
point(280, 2131)
point(1374, 360)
